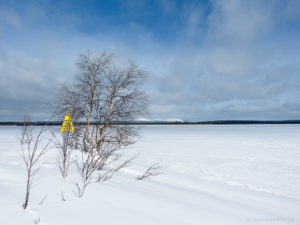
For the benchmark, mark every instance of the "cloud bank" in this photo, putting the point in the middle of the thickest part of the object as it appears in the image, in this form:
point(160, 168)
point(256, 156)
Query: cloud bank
point(205, 60)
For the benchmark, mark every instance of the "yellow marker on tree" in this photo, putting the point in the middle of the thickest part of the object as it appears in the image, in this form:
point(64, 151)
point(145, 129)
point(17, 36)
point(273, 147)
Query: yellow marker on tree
point(67, 124)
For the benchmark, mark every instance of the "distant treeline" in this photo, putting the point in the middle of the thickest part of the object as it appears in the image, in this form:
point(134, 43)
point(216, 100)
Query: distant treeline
point(216, 122)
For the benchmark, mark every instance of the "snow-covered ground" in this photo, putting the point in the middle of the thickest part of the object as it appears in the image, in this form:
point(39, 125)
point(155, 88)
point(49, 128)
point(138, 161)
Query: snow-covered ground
point(211, 175)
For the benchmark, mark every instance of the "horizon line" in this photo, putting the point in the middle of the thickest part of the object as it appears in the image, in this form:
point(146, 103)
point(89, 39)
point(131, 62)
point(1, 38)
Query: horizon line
point(162, 122)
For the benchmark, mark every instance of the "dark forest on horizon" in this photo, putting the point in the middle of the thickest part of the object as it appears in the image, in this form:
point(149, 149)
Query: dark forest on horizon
point(215, 122)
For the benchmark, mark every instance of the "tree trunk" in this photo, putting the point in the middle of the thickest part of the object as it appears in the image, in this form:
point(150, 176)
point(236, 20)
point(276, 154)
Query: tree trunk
point(27, 191)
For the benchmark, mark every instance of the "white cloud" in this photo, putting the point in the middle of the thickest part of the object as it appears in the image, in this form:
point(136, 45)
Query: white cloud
point(238, 62)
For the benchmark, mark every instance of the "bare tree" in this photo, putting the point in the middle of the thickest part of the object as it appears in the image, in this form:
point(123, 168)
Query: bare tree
point(111, 168)
point(108, 94)
point(88, 166)
point(151, 171)
point(65, 147)
point(101, 96)
point(68, 100)
point(32, 150)
point(94, 166)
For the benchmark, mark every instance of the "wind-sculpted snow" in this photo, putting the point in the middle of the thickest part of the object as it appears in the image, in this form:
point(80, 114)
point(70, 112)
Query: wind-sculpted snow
point(212, 175)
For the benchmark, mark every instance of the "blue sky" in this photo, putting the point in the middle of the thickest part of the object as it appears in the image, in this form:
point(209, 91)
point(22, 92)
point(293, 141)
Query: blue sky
point(205, 60)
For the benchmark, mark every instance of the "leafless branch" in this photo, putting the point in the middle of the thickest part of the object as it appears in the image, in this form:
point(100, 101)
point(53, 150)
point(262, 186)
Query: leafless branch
point(65, 146)
point(44, 199)
point(37, 220)
point(125, 163)
point(63, 197)
point(32, 150)
point(151, 171)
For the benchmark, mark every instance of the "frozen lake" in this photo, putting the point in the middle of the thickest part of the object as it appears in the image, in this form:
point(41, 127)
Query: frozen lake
point(263, 157)
point(212, 175)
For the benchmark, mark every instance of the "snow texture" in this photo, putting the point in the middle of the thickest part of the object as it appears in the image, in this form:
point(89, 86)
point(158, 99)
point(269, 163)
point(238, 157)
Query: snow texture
point(212, 175)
